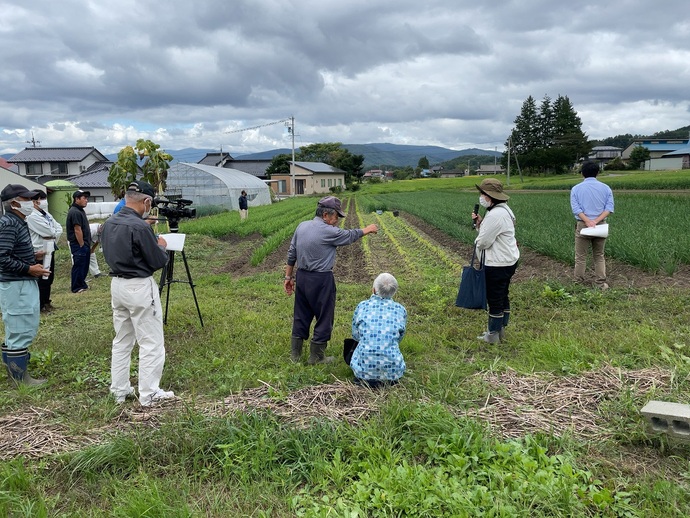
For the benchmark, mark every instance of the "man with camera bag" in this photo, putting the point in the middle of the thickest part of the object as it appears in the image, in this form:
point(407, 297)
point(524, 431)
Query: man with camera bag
point(133, 253)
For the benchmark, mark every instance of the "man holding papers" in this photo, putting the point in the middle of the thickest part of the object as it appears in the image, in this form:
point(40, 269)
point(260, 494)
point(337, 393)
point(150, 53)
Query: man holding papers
point(133, 254)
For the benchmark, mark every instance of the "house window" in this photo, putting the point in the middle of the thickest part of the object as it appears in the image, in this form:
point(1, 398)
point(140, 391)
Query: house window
point(34, 169)
point(323, 182)
point(329, 183)
point(340, 182)
point(282, 186)
point(58, 168)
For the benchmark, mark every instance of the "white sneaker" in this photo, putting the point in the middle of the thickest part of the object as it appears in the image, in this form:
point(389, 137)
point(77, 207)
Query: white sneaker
point(121, 399)
point(158, 396)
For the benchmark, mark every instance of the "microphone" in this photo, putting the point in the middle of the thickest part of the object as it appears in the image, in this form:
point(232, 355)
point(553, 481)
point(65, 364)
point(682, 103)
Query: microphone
point(476, 211)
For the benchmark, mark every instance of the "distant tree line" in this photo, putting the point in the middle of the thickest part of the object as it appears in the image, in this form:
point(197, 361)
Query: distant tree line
point(331, 153)
point(623, 141)
point(548, 138)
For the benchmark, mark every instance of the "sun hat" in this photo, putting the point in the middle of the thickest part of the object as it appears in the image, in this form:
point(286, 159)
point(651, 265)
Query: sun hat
point(331, 202)
point(493, 188)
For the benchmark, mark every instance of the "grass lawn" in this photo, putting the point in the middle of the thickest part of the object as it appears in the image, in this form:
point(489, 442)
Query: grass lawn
point(546, 424)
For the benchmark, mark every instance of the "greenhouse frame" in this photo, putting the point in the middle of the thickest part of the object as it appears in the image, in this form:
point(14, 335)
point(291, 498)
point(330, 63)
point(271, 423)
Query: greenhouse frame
point(216, 186)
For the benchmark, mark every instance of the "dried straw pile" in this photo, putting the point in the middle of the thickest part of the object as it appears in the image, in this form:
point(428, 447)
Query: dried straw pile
point(34, 433)
point(518, 404)
point(339, 401)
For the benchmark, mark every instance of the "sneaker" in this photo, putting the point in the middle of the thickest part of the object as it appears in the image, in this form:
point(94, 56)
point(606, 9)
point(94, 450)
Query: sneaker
point(492, 338)
point(121, 399)
point(159, 396)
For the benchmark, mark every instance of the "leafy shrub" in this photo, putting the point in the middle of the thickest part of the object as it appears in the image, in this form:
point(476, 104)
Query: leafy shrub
point(616, 164)
point(337, 189)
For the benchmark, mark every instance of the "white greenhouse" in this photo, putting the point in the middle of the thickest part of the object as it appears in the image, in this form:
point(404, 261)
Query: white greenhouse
point(217, 186)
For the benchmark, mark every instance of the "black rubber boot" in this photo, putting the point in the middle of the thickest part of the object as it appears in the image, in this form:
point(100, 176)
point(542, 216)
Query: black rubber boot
point(317, 353)
point(17, 368)
point(296, 349)
point(506, 319)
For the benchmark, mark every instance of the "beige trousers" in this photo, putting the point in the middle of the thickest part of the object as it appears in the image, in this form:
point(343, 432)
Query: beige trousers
point(582, 246)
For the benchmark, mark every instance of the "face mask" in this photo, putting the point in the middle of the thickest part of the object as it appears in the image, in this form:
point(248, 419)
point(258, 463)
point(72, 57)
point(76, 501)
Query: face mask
point(25, 207)
point(43, 205)
point(483, 202)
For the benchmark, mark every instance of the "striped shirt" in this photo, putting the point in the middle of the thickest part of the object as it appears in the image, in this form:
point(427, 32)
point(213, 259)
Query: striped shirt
point(16, 251)
point(378, 325)
point(314, 244)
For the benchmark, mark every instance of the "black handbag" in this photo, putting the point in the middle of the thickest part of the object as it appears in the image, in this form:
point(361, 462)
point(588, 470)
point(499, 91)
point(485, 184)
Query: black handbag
point(349, 346)
point(472, 292)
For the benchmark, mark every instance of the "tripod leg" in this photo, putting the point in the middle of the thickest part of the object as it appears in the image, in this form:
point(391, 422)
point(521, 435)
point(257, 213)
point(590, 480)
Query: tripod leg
point(166, 280)
point(191, 284)
point(169, 281)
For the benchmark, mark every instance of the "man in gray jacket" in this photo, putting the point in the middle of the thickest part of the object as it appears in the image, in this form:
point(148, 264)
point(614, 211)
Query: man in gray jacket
point(312, 250)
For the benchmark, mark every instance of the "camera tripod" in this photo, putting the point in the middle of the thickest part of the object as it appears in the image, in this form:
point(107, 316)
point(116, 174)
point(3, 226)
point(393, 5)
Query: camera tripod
point(167, 278)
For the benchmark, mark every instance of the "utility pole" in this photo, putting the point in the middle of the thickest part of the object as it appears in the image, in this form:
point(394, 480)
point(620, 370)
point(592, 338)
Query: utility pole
point(291, 129)
point(495, 156)
point(33, 141)
point(510, 143)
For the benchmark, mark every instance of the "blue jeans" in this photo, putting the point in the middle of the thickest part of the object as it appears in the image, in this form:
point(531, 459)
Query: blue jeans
point(81, 255)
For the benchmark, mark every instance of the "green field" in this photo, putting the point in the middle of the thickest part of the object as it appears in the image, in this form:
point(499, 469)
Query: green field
point(546, 424)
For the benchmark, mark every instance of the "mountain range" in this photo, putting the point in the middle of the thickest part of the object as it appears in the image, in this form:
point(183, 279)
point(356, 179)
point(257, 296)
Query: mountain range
point(375, 155)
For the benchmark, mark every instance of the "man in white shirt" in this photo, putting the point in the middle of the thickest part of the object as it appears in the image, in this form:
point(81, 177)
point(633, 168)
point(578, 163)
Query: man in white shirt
point(45, 232)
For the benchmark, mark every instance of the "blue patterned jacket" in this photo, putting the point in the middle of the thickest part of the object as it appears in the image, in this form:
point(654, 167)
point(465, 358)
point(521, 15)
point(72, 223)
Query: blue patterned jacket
point(378, 325)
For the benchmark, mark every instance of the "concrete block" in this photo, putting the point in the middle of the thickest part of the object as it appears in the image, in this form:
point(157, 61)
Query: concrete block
point(670, 418)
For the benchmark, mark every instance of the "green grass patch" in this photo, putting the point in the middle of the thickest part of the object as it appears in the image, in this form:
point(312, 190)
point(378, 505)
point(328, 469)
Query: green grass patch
point(418, 454)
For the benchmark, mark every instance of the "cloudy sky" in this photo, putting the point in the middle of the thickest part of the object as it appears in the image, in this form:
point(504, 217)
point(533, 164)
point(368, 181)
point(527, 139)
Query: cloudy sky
point(452, 73)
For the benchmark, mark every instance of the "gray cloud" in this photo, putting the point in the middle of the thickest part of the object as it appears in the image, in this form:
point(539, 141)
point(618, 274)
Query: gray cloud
point(445, 72)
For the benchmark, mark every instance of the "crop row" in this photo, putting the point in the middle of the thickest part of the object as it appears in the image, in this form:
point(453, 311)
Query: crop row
point(647, 230)
point(409, 254)
point(264, 220)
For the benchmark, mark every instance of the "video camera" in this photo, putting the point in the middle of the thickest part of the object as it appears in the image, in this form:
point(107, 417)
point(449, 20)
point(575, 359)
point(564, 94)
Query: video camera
point(174, 210)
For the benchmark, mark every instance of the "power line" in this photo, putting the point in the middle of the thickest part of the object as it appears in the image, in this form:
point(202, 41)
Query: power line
point(260, 126)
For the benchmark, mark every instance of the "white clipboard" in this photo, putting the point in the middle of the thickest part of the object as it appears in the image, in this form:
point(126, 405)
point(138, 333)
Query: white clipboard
point(175, 241)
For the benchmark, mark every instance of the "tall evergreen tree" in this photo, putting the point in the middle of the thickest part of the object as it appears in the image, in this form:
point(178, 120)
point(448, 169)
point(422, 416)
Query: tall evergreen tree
point(570, 141)
point(549, 139)
point(524, 139)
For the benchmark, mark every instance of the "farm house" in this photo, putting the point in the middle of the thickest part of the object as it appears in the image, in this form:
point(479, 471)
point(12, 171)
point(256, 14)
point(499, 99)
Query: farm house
point(218, 186)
